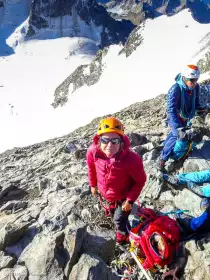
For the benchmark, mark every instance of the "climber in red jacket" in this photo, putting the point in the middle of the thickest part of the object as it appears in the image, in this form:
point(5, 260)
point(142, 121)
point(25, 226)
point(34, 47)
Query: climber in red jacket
point(115, 172)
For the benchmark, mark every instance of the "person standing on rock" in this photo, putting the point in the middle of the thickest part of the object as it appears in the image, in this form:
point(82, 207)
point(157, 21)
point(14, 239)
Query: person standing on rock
point(182, 104)
point(115, 172)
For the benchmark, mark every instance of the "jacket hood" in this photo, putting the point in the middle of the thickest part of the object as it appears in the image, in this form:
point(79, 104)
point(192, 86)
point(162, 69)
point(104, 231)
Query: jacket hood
point(180, 82)
point(125, 139)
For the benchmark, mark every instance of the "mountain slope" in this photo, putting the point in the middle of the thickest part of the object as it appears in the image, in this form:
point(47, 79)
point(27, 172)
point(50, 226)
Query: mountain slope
point(38, 19)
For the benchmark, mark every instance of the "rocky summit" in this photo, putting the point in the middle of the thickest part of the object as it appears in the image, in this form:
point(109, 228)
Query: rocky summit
point(50, 225)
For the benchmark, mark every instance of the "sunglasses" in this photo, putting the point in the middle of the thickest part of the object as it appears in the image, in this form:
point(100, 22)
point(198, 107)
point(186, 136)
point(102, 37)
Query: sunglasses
point(191, 80)
point(114, 141)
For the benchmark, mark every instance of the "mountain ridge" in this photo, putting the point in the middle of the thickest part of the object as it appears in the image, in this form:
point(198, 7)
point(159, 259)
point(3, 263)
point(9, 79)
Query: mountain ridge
point(137, 11)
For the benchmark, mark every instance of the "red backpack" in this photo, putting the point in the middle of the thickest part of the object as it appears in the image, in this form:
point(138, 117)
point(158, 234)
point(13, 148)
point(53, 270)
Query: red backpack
point(155, 237)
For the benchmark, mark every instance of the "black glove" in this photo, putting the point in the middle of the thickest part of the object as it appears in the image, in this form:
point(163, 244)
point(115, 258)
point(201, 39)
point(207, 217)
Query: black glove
point(194, 135)
point(182, 133)
point(190, 134)
point(201, 112)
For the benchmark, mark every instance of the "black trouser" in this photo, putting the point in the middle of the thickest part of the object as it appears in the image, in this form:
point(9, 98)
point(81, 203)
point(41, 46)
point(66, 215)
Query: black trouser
point(121, 219)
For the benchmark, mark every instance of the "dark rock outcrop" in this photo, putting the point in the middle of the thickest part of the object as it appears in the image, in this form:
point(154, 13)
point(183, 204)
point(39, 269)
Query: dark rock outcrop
point(83, 75)
point(137, 11)
point(87, 12)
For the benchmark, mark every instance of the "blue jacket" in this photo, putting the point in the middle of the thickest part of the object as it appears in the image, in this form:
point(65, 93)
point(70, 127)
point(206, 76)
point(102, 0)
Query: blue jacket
point(181, 103)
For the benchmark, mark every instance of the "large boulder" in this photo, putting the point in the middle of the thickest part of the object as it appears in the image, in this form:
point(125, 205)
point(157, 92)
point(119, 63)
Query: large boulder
point(11, 233)
point(100, 242)
point(75, 233)
point(186, 200)
point(91, 267)
point(41, 258)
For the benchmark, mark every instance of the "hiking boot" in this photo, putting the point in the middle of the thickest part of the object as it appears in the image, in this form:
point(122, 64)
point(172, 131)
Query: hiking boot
point(161, 164)
point(172, 180)
point(205, 203)
point(121, 238)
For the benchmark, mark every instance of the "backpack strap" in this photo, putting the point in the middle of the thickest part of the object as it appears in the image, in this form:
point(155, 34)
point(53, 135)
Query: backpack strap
point(188, 150)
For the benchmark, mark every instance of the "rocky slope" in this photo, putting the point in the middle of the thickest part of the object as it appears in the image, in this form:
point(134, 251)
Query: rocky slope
point(50, 225)
point(204, 62)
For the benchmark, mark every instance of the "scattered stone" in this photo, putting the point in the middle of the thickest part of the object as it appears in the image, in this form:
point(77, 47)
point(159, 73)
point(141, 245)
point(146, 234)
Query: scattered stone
point(11, 233)
point(14, 205)
point(6, 261)
point(5, 274)
point(137, 139)
point(19, 272)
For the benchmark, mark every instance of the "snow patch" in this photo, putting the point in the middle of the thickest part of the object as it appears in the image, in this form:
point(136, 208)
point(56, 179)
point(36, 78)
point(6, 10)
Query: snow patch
point(116, 10)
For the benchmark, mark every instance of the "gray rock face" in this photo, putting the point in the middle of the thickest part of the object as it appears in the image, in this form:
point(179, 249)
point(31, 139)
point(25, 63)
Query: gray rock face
point(101, 243)
point(187, 200)
point(6, 261)
point(11, 232)
point(199, 257)
point(75, 233)
point(5, 274)
point(91, 267)
point(137, 11)
point(83, 75)
point(199, 159)
point(53, 14)
point(204, 62)
point(46, 263)
point(134, 40)
point(20, 272)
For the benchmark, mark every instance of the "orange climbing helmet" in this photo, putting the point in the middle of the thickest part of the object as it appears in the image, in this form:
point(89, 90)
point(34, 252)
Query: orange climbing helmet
point(110, 124)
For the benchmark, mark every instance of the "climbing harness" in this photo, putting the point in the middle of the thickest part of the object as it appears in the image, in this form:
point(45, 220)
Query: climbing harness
point(108, 207)
point(124, 270)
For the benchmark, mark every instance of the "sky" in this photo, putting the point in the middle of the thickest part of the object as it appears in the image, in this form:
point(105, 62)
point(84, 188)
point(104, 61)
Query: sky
point(30, 76)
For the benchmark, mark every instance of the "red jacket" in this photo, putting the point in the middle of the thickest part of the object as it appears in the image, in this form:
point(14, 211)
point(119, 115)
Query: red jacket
point(121, 177)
